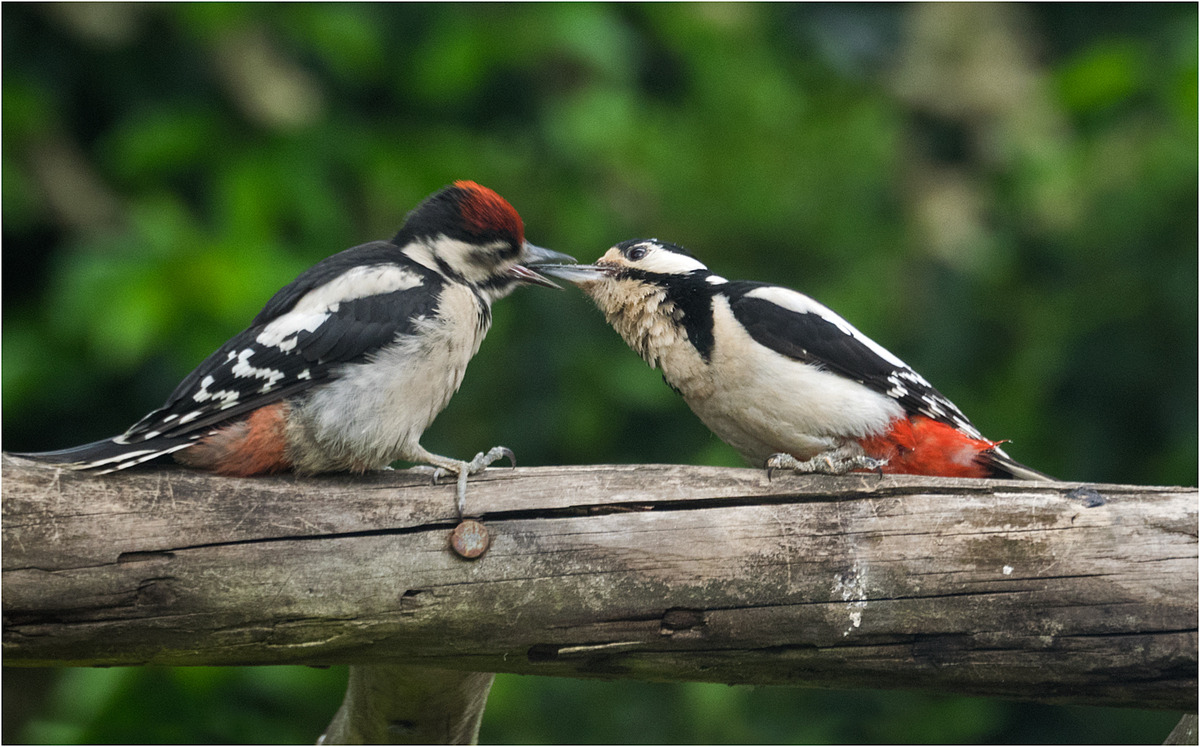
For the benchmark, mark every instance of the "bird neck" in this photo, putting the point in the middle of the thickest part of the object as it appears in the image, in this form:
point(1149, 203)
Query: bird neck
point(645, 316)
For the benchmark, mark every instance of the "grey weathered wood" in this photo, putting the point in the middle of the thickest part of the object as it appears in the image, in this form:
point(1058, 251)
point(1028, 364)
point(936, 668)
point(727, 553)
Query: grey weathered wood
point(1185, 732)
point(1026, 590)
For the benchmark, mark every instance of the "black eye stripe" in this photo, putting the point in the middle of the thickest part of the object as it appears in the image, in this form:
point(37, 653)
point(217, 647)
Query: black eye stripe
point(492, 257)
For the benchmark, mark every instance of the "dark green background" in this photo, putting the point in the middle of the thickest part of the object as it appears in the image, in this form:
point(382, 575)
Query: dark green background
point(1006, 197)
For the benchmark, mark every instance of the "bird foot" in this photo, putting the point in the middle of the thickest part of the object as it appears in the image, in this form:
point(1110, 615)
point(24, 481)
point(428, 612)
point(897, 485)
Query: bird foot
point(462, 470)
point(829, 463)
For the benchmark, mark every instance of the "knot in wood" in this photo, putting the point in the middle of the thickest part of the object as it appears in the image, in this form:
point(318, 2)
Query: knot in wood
point(678, 619)
point(155, 592)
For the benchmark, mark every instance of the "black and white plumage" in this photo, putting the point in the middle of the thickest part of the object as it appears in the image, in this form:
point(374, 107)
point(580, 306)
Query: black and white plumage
point(346, 366)
point(781, 378)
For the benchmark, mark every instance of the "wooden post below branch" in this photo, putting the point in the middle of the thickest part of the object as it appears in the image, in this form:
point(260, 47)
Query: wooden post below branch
point(1048, 591)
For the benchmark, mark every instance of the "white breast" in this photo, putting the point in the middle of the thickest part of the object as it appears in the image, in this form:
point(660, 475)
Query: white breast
point(374, 413)
point(762, 403)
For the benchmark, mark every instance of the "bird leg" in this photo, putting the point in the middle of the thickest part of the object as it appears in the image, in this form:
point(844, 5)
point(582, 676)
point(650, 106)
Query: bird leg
point(837, 461)
point(441, 466)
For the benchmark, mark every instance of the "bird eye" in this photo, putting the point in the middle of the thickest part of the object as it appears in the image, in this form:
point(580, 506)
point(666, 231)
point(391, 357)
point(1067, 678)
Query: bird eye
point(636, 253)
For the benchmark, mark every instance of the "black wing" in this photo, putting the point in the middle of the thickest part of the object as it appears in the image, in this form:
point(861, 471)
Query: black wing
point(332, 267)
point(258, 366)
point(324, 319)
point(795, 325)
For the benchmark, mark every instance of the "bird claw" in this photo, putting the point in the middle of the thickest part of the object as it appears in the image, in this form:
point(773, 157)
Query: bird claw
point(463, 470)
point(829, 463)
point(481, 462)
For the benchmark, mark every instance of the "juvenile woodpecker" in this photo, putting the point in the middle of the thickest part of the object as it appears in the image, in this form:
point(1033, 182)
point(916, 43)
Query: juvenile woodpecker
point(782, 379)
point(347, 365)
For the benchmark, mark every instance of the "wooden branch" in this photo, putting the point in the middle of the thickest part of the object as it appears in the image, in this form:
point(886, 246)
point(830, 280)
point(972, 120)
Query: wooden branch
point(1185, 732)
point(1048, 591)
point(392, 704)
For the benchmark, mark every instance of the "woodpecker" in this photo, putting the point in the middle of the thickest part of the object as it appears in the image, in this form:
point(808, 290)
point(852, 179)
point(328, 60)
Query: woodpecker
point(779, 377)
point(347, 365)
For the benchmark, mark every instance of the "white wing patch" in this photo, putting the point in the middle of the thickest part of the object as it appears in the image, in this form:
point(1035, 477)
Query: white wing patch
point(318, 304)
point(903, 378)
point(903, 383)
point(228, 397)
point(802, 304)
point(243, 369)
point(282, 332)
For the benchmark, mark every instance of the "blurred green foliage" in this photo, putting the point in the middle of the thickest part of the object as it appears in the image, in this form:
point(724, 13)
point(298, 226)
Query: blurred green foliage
point(1005, 196)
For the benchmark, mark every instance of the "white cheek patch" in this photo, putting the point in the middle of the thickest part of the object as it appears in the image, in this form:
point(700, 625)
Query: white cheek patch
point(665, 261)
point(802, 304)
point(476, 263)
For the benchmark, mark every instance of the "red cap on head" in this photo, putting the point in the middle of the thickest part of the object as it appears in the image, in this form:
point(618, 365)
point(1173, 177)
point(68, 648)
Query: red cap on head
point(485, 211)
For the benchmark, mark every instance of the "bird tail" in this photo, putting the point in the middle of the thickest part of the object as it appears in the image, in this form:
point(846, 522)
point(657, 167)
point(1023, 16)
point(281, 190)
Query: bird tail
point(1001, 466)
point(110, 454)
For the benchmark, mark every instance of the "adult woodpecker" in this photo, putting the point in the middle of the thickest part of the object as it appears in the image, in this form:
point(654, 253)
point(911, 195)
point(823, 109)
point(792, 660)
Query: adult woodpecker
point(782, 379)
point(347, 365)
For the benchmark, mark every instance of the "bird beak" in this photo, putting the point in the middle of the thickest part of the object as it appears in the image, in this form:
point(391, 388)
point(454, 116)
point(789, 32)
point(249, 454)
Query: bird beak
point(578, 274)
point(536, 255)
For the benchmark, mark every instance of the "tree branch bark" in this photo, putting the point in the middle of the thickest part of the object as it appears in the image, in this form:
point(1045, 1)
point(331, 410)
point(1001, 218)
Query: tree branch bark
point(1185, 732)
point(410, 705)
point(1048, 591)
